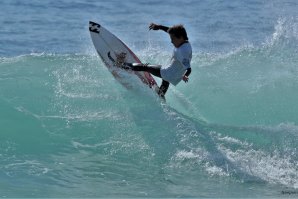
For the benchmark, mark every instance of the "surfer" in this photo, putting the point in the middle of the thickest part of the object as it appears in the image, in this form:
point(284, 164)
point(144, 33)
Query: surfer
point(179, 68)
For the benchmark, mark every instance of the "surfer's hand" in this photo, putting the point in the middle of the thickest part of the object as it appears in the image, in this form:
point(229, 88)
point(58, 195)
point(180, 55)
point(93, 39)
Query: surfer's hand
point(185, 78)
point(153, 26)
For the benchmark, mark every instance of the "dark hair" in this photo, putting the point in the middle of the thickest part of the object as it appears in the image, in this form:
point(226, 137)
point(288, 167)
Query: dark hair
point(178, 31)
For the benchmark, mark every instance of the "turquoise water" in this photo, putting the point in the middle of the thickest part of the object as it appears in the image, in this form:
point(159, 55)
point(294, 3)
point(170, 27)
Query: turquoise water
point(69, 129)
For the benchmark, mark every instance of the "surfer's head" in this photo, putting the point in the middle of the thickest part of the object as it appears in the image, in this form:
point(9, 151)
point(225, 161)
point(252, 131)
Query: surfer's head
point(178, 35)
point(178, 31)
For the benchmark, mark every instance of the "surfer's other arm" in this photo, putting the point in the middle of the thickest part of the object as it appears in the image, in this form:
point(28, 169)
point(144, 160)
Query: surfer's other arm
point(185, 76)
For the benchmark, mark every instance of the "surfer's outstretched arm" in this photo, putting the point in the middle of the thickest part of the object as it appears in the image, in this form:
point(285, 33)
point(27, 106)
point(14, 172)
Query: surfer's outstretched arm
point(154, 26)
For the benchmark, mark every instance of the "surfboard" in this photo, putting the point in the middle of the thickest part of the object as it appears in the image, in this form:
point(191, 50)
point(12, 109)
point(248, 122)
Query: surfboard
point(114, 53)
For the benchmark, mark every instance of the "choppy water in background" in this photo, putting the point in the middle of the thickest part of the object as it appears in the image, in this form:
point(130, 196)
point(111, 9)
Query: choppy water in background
point(69, 129)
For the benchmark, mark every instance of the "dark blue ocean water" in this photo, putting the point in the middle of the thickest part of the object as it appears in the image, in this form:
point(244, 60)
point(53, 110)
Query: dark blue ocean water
point(69, 129)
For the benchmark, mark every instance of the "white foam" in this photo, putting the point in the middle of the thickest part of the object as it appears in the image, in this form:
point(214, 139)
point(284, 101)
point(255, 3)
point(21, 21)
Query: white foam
point(273, 167)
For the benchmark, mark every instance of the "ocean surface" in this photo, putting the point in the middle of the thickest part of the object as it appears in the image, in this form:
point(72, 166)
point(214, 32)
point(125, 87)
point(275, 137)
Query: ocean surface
point(68, 128)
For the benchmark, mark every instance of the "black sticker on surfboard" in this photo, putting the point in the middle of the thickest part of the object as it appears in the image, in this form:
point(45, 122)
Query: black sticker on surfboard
point(94, 27)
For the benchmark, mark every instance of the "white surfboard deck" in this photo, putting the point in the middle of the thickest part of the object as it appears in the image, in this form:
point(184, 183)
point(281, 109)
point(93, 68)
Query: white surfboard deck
point(113, 51)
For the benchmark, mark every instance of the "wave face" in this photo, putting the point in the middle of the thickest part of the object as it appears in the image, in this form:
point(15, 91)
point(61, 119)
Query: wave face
point(66, 123)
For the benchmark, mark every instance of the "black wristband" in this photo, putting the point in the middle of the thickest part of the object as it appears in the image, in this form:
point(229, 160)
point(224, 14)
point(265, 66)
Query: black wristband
point(188, 71)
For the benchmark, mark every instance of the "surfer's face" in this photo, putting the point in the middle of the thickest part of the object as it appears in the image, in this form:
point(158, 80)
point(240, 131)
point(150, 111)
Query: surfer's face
point(176, 41)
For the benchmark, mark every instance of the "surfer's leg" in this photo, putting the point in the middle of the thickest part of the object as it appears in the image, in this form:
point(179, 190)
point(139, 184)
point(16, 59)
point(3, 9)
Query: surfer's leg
point(163, 88)
point(153, 70)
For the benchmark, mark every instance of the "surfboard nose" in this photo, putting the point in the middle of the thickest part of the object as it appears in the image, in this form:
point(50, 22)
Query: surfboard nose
point(94, 27)
point(93, 23)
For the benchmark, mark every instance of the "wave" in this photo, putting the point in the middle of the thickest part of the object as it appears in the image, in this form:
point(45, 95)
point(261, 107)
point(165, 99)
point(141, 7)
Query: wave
point(235, 121)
